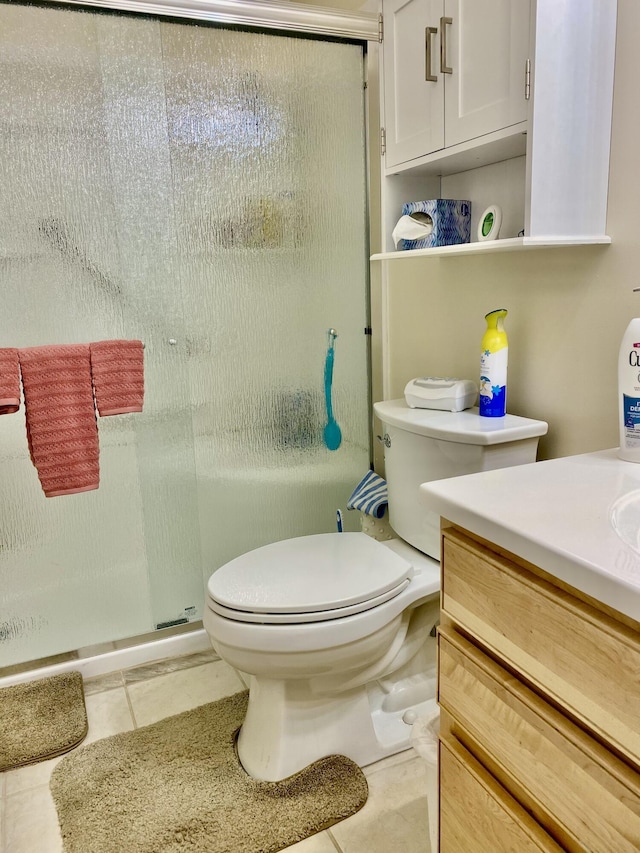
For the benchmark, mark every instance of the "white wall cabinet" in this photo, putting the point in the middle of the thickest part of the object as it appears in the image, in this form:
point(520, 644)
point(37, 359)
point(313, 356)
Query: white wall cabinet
point(413, 99)
point(443, 134)
point(454, 71)
point(487, 48)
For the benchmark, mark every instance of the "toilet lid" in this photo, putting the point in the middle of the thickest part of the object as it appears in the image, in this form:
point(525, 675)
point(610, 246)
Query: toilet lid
point(302, 579)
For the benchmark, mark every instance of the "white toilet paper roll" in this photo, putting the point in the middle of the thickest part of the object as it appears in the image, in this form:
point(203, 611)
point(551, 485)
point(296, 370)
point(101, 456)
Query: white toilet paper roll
point(412, 226)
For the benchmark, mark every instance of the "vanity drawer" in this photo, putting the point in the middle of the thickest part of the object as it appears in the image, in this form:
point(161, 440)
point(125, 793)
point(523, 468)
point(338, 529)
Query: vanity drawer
point(581, 658)
point(587, 798)
point(477, 815)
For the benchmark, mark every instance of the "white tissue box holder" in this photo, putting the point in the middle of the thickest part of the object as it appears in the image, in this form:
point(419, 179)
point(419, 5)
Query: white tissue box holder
point(451, 222)
point(444, 394)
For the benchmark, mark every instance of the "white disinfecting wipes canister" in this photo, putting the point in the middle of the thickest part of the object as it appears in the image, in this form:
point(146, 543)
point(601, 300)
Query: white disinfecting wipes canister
point(444, 393)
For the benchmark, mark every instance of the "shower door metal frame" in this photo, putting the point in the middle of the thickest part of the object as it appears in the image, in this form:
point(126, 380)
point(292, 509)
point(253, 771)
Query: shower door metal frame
point(265, 14)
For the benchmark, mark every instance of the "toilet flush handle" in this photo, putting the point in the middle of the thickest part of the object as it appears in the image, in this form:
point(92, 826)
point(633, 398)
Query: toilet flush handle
point(384, 439)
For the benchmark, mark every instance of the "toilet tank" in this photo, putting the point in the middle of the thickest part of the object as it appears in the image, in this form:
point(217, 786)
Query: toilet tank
point(424, 444)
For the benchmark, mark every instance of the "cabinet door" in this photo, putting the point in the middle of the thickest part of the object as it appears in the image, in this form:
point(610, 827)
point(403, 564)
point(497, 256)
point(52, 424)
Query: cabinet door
point(585, 661)
point(477, 815)
point(413, 104)
point(486, 45)
point(585, 796)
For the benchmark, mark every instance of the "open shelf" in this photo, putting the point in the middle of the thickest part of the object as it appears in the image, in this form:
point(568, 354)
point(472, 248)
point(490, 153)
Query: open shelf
point(512, 244)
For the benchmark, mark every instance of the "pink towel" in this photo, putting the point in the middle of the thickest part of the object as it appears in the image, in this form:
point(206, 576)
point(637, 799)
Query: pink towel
point(117, 368)
point(9, 381)
point(61, 421)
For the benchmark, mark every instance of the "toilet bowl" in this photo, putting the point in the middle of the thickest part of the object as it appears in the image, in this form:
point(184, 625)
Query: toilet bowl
point(336, 631)
point(356, 611)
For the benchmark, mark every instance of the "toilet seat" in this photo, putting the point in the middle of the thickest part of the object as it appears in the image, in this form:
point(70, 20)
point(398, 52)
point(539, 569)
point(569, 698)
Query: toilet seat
point(308, 579)
point(304, 617)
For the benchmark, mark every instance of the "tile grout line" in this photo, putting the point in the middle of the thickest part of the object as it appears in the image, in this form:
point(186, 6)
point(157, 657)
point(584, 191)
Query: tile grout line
point(129, 703)
point(333, 841)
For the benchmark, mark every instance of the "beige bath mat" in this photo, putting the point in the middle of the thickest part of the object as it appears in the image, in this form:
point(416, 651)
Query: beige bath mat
point(41, 719)
point(177, 785)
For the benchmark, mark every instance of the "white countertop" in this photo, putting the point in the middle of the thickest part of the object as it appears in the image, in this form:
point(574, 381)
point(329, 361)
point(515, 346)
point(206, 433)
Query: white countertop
point(559, 515)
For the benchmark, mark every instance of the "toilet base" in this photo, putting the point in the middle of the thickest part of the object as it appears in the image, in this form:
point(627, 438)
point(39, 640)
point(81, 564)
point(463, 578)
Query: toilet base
point(288, 726)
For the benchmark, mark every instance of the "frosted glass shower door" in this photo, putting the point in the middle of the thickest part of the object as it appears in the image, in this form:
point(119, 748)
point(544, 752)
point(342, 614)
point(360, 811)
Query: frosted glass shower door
point(87, 251)
point(269, 189)
point(203, 190)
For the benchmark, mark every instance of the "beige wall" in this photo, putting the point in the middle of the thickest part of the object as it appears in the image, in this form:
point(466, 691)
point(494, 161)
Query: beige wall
point(568, 307)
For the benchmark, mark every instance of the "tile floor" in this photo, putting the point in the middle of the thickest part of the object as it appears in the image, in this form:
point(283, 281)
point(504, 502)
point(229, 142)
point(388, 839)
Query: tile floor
point(394, 817)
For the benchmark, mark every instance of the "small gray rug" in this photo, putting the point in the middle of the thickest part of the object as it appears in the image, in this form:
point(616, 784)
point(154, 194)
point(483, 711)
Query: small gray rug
point(41, 719)
point(177, 785)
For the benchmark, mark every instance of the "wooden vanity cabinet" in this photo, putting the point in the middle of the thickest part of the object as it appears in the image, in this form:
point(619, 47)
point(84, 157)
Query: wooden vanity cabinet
point(539, 689)
point(477, 813)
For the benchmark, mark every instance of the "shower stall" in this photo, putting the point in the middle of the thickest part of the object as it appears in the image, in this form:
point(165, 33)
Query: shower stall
point(202, 188)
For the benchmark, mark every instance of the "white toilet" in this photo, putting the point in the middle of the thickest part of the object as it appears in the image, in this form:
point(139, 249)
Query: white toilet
point(336, 631)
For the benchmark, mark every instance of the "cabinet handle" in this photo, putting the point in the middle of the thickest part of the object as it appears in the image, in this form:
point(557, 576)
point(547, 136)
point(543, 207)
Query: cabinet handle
point(444, 68)
point(428, 32)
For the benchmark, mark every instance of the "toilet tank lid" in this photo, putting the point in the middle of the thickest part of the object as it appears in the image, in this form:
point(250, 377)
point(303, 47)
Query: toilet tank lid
point(466, 427)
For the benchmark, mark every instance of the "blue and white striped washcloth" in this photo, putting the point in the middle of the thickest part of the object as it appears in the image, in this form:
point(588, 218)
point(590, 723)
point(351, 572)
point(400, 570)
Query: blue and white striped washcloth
point(370, 495)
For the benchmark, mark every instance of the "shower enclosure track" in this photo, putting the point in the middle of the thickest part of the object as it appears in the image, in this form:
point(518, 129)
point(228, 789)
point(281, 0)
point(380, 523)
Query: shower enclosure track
point(265, 14)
